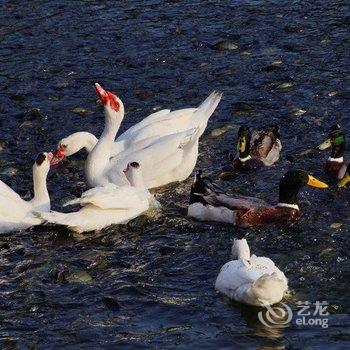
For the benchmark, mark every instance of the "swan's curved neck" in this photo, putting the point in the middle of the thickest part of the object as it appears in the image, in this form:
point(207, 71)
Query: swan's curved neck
point(41, 194)
point(240, 250)
point(242, 254)
point(88, 141)
point(136, 180)
point(98, 158)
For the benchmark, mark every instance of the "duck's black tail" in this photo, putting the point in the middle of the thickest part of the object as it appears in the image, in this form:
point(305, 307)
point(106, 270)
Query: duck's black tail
point(199, 189)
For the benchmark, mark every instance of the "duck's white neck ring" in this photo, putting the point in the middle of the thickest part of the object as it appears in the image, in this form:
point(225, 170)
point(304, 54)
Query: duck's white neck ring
point(288, 205)
point(245, 159)
point(336, 160)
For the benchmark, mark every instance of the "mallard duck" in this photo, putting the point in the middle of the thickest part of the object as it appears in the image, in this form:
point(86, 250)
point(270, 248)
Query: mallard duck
point(260, 149)
point(250, 279)
point(335, 166)
point(346, 177)
point(206, 204)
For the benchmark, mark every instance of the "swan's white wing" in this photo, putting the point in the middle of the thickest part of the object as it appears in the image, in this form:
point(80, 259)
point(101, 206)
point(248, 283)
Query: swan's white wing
point(133, 147)
point(8, 192)
point(232, 276)
point(174, 122)
point(112, 197)
point(265, 266)
point(202, 114)
point(154, 117)
point(11, 204)
point(158, 157)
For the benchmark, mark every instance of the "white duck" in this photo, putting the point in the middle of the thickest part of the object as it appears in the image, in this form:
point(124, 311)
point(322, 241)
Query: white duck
point(107, 205)
point(18, 214)
point(168, 139)
point(250, 279)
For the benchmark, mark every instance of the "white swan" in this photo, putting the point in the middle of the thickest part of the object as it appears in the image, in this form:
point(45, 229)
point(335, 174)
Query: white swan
point(18, 214)
point(166, 143)
point(171, 158)
point(251, 280)
point(106, 205)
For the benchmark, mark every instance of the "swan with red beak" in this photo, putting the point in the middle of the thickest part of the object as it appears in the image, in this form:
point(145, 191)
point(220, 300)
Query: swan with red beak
point(18, 214)
point(106, 205)
point(98, 158)
point(165, 142)
point(113, 107)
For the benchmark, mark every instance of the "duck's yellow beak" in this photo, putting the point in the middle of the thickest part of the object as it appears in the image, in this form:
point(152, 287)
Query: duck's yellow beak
point(241, 145)
point(343, 182)
point(325, 144)
point(316, 183)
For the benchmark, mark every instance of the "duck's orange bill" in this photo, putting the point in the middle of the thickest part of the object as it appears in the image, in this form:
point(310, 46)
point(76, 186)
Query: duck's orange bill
point(325, 144)
point(241, 145)
point(344, 181)
point(316, 183)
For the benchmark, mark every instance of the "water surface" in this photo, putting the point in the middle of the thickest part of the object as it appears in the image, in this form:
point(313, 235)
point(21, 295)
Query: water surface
point(150, 284)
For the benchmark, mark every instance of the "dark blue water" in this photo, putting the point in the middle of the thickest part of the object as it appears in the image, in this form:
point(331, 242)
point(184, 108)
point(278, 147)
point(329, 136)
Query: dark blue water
point(150, 284)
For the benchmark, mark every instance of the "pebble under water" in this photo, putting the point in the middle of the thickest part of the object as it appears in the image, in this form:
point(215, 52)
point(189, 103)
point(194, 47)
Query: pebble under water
point(150, 283)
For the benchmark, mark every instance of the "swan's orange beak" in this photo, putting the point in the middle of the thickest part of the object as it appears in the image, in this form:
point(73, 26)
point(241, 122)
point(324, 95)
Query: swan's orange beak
point(58, 156)
point(101, 93)
point(107, 97)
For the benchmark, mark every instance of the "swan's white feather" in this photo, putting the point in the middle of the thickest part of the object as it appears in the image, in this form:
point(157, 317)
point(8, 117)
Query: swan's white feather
point(111, 197)
point(256, 281)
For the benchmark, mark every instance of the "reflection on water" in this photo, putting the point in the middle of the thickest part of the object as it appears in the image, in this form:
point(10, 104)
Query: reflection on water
point(275, 322)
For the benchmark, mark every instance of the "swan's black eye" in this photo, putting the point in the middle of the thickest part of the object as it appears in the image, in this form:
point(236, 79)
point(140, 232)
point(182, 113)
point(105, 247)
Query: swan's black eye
point(40, 159)
point(135, 165)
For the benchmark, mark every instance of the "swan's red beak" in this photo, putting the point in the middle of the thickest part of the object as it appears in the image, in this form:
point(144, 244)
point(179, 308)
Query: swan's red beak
point(107, 97)
point(102, 94)
point(58, 156)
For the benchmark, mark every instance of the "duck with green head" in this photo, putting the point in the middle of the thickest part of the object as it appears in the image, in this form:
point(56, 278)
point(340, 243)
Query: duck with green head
point(335, 166)
point(208, 205)
point(262, 148)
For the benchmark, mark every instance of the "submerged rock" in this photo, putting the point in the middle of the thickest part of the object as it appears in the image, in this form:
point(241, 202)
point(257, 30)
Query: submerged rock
point(326, 251)
point(142, 94)
point(336, 224)
point(298, 111)
point(284, 86)
point(220, 131)
point(224, 45)
point(243, 107)
point(18, 97)
point(33, 114)
point(26, 124)
point(227, 176)
point(276, 63)
point(53, 70)
point(79, 276)
point(82, 111)
point(54, 98)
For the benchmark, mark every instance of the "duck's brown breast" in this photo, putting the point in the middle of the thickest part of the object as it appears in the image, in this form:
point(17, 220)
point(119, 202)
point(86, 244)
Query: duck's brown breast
point(332, 168)
point(262, 216)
